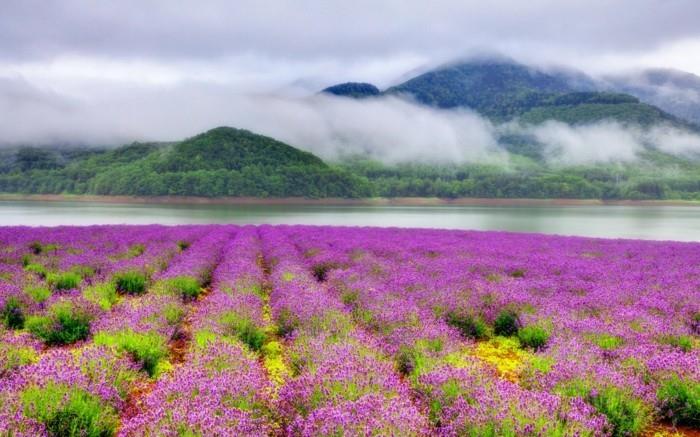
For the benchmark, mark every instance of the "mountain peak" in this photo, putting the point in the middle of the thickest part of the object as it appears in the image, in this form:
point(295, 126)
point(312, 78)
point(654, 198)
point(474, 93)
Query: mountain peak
point(357, 90)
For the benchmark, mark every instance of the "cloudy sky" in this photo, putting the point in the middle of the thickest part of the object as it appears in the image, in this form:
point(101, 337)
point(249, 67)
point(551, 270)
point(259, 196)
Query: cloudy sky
point(112, 71)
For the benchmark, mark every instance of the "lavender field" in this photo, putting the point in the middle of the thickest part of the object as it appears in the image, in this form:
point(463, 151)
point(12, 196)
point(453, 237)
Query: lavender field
point(301, 331)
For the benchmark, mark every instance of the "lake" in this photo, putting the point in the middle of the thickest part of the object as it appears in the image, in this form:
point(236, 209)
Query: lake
point(645, 222)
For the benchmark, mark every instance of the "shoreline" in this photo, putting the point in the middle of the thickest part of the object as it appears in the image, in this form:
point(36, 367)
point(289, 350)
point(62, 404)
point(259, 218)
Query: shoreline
point(301, 201)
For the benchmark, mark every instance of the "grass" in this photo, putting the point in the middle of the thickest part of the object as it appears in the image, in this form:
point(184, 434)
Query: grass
point(506, 324)
point(104, 294)
point(626, 414)
point(186, 286)
point(63, 324)
point(63, 281)
point(244, 329)
point(606, 342)
point(469, 326)
point(130, 282)
point(148, 349)
point(679, 400)
point(69, 411)
point(13, 357)
point(682, 342)
point(38, 293)
point(12, 314)
point(534, 337)
point(36, 268)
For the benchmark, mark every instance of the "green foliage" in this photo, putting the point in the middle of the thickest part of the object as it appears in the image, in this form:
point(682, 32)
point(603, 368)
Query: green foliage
point(69, 411)
point(63, 281)
point(146, 348)
point(627, 415)
point(130, 282)
point(103, 294)
point(320, 270)
point(682, 342)
point(13, 357)
point(679, 400)
point(506, 324)
point(186, 287)
point(244, 329)
point(469, 325)
point(38, 293)
point(38, 269)
point(286, 323)
point(353, 89)
point(12, 313)
point(63, 324)
point(533, 336)
point(606, 342)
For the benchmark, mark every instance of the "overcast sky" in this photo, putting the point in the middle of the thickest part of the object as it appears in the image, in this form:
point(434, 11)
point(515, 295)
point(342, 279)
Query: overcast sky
point(63, 59)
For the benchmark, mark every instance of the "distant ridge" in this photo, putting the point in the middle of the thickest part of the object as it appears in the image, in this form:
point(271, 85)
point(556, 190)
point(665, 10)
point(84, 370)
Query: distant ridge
point(502, 89)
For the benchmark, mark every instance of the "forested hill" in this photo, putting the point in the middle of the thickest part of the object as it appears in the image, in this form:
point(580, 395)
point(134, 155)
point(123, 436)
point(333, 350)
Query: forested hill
point(503, 90)
point(221, 162)
point(231, 162)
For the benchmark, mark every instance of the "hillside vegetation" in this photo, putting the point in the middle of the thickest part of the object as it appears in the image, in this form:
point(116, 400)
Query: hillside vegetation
point(504, 90)
point(220, 162)
point(232, 162)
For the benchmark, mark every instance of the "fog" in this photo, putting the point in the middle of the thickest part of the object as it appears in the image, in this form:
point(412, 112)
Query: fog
point(387, 129)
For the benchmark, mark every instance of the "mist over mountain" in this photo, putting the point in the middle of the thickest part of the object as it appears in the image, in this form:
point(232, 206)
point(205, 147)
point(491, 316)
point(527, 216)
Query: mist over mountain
point(674, 91)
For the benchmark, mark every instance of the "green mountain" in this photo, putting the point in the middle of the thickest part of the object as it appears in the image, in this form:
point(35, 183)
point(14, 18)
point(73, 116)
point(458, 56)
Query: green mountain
point(231, 162)
point(503, 90)
point(221, 162)
point(357, 90)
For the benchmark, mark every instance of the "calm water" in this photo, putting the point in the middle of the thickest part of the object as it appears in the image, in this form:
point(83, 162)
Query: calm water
point(649, 222)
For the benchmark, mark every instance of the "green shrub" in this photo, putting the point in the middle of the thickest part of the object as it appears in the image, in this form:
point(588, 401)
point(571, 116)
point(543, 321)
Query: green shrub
point(320, 271)
point(627, 415)
point(286, 323)
point(64, 324)
point(679, 400)
point(607, 342)
point(12, 313)
point(695, 323)
point(83, 271)
point(130, 282)
point(148, 348)
point(38, 293)
point(406, 360)
point(518, 273)
point(244, 329)
point(37, 269)
point(69, 411)
point(682, 342)
point(63, 281)
point(183, 245)
point(36, 247)
point(533, 336)
point(13, 357)
point(506, 324)
point(468, 325)
point(186, 286)
point(103, 294)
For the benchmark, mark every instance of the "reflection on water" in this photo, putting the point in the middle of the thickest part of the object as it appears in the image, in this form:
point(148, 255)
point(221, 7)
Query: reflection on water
point(648, 222)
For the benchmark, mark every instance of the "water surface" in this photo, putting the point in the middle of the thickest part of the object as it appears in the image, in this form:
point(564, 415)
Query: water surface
point(647, 222)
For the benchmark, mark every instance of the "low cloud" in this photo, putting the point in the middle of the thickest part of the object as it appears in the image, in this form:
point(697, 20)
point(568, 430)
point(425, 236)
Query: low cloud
point(388, 129)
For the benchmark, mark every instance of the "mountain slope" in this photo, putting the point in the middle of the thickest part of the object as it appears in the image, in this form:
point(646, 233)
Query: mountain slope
point(674, 91)
point(503, 90)
point(353, 89)
point(220, 162)
point(493, 88)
